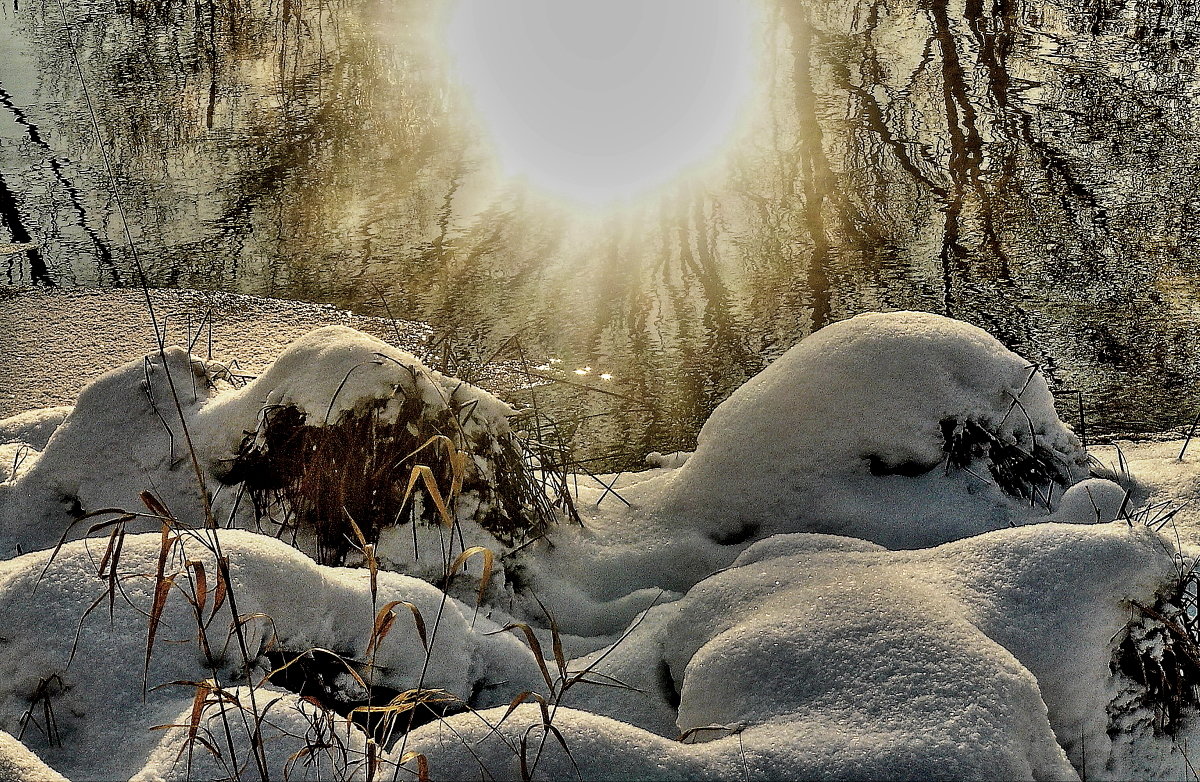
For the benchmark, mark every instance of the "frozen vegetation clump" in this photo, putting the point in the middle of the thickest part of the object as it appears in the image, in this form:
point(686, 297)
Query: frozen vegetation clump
point(886, 558)
point(319, 455)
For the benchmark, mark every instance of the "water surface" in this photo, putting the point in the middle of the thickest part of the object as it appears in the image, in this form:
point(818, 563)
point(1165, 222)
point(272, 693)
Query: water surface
point(1028, 166)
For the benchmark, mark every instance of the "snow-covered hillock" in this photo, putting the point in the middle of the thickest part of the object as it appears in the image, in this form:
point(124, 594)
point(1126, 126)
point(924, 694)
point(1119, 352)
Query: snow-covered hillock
point(77, 641)
point(905, 428)
point(332, 429)
point(820, 657)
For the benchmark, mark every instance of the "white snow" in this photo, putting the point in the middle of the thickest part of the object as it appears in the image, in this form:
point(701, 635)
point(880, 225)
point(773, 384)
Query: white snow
point(1091, 501)
point(817, 657)
point(298, 738)
point(794, 448)
point(56, 341)
point(126, 432)
point(96, 680)
point(18, 764)
point(818, 591)
point(329, 372)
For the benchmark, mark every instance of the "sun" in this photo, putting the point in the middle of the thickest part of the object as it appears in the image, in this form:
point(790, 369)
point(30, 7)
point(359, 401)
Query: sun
point(603, 100)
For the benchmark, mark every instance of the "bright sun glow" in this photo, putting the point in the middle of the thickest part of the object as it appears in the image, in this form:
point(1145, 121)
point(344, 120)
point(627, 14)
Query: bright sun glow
point(599, 100)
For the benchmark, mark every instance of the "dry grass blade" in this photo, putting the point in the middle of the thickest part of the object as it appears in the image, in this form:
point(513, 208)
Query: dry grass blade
point(386, 618)
point(526, 769)
point(522, 698)
point(108, 567)
point(162, 588)
point(308, 654)
point(368, 552)
point(405, 703)
point(534, 645)
point(62, 540)
point(383, 625)
point(691, 732)
point(155, 506)
point(423, 473)
point(199, 700)
point(200, 582)
point(422, 764)
point(560, 658)
point(457, 458)
point(485, 578)
point(109, 550)
point(420, 623)
point(162, 584)
point(49, 723)
point(221, 590)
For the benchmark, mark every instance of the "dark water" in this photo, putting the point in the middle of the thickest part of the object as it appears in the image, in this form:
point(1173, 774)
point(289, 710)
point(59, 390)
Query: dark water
point(1028, 166)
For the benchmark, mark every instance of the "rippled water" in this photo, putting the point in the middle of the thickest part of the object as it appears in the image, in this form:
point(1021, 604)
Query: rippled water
point(1028, 166)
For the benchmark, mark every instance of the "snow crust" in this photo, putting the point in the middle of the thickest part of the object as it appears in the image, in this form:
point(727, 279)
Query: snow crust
point(18, 764)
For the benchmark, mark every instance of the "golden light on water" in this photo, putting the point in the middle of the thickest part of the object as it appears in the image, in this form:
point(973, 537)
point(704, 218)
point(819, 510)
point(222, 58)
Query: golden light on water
point(603, 101)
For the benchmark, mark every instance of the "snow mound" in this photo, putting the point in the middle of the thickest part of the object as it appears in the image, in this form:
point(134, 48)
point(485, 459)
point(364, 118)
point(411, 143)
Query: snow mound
point(1095, 500)
point(817, 657)
point(331, 372)
point(89, 665)
point(909, 429)
point(334, 426)
point(122, 437)
point(33, 427)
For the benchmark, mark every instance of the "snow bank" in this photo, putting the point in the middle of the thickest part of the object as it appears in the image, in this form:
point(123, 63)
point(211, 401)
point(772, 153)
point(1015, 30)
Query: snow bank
point(89, 668)
point(333, 371)
point(33, 427)
point(122, 437)
point(300, 742)
point(126, 434)
point(56, 340)
point(1164, 488)
point(777, 649)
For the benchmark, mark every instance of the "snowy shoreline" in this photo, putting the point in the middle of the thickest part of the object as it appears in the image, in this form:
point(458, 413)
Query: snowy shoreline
point(887, 558)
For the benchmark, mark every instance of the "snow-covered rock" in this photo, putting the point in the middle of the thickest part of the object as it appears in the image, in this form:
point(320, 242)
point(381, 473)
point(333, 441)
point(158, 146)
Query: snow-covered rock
point(1092, 501)
point(138, 427)
point(907, 429)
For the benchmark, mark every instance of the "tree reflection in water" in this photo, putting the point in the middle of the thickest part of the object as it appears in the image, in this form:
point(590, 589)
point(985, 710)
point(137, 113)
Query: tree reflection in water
point(1027, 166)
